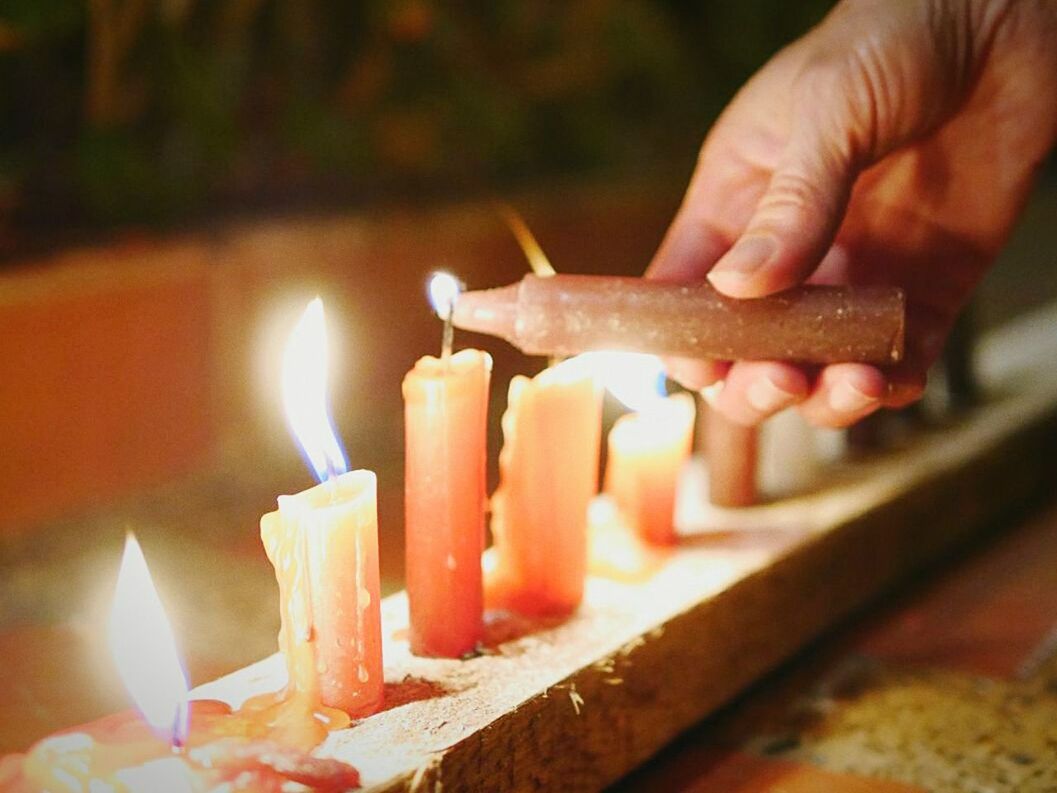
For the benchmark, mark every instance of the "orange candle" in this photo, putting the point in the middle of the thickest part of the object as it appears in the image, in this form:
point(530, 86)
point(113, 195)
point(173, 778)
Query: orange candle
point(548, 474)
point(446, 416)
point(646, 452)
point(323, 543)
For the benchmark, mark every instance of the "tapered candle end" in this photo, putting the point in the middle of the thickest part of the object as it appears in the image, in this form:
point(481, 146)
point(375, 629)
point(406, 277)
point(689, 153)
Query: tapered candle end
point(490, 311)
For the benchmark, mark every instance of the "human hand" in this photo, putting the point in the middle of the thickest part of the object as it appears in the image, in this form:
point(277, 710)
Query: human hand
point(896, 143)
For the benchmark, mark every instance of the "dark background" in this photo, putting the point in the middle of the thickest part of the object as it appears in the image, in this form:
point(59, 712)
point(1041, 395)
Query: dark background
point(164, 111)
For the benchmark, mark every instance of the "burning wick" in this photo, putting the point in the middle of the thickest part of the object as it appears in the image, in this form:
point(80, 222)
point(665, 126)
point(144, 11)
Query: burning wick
point(444, 288)
point(144, 650)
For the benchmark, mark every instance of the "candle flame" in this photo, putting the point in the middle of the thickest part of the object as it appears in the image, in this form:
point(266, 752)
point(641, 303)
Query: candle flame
point(444, 288)
point(144, 649)
point(636, 379)
point(304, 383)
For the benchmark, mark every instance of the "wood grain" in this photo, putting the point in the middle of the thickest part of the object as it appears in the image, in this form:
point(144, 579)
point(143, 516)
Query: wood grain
point(574, 706)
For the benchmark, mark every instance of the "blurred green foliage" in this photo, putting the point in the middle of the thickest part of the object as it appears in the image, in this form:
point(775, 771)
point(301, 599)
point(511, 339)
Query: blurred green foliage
point(150, 110)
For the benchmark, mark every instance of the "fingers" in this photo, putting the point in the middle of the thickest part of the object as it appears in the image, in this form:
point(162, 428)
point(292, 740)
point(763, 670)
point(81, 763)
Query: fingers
point(845, 393)
point(690, 247)
point(755, 390)
point(694, 374)
point(751, 391)
point(797, 218)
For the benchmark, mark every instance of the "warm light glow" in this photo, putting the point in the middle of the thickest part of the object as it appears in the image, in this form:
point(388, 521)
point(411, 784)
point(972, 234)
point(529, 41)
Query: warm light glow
point(636, 379)
point(144, 650)
point(443, 289)
point(304, 383)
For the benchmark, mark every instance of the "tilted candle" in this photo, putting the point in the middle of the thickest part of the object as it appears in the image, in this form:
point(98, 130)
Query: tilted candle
point(569, 314)
point(446, 413)
point(548, 474)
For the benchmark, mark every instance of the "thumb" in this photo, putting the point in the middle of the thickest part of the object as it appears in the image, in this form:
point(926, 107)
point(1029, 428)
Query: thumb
point(797, 218)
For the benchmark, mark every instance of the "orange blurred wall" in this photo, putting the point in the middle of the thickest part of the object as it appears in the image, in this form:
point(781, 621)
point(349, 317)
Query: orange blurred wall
point(104, 364)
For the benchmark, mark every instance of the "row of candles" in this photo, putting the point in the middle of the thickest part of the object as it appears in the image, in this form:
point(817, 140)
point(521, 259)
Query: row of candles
point(323, 544)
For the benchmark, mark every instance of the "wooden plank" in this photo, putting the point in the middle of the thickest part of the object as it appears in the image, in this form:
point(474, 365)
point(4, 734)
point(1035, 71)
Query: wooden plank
point(574, 706)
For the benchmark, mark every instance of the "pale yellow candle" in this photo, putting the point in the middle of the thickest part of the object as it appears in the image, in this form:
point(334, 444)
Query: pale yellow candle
point(646, 453)
point(323, 543)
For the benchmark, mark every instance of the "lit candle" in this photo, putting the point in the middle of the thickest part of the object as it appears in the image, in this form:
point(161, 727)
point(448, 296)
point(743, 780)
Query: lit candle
point(323, 543)
point(548, 474)
point(144, 649)
point(446, 413)
point(168, 743)
point(648, 448)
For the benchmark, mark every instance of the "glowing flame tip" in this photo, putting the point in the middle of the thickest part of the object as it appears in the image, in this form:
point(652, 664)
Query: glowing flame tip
point(444, 288)
point(304, 384)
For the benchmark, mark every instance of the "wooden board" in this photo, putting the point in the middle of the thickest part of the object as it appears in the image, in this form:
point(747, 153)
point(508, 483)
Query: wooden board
point(575, 706)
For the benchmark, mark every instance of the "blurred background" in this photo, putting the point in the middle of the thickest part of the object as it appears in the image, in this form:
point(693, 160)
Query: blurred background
point(160, 111)
point(177, 180)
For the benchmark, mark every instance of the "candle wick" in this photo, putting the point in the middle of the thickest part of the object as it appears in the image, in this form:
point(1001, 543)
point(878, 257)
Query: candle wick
point(448, 337)
point(331, 479)
point(177, 741)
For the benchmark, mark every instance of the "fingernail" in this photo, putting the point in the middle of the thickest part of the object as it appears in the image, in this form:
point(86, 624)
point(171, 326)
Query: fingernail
point(746, 257)
point(846, 398)
point(711, 393)
point(766, 397)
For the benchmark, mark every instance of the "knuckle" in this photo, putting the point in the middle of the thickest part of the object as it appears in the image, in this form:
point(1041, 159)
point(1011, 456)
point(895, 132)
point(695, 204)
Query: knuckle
point(791, 193)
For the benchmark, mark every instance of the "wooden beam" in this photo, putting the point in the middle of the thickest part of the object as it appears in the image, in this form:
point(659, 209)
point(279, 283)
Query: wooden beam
point(574, 706)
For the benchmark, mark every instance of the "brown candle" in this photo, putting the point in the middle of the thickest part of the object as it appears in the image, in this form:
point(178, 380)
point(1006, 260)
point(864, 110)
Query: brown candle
point(569, 314)
point(730, 450)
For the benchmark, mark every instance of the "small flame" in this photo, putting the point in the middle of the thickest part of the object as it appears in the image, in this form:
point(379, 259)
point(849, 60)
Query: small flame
point(144, 649)
point(636, 379)
point(304, 383)
point(444, 288)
